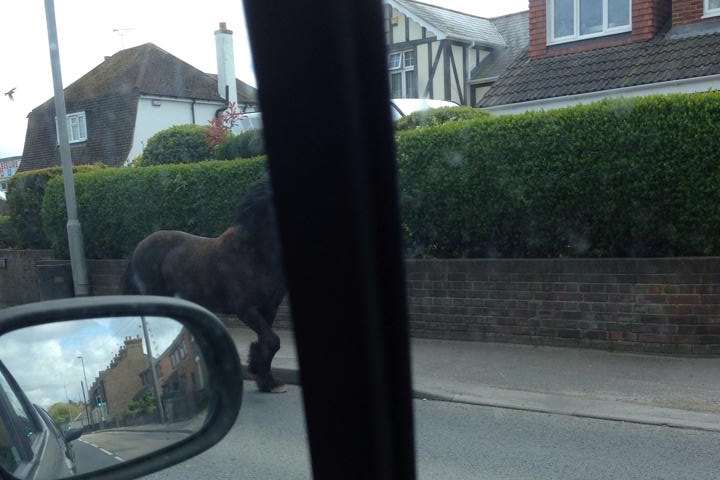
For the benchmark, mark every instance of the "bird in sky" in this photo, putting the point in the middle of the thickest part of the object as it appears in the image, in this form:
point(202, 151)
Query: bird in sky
point(10, 93)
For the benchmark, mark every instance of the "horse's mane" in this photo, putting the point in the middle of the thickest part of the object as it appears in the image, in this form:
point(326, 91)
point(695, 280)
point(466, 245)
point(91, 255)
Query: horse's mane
point(256, 204)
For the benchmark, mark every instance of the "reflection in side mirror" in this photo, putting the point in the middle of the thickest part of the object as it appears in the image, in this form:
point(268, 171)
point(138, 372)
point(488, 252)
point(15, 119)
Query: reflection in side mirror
point(72, 435)
point(103, 391)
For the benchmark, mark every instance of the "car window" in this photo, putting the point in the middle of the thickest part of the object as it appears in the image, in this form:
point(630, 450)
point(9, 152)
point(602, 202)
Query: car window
point(559, 198)
point(18, 430)
point(9, 454)
point(22, 417)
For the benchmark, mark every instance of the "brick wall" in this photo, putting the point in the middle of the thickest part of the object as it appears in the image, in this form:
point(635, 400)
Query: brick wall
point(18, 276)
point(687, 11)
point(638, 305)
point(648, 17)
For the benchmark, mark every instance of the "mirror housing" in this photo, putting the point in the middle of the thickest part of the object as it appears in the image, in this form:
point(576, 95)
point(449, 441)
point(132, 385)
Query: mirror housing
point(220, 356)
point(72, 434)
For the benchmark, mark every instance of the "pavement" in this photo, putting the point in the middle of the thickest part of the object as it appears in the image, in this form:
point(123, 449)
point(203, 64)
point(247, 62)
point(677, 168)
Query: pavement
point(681, 392)
point(188, 426)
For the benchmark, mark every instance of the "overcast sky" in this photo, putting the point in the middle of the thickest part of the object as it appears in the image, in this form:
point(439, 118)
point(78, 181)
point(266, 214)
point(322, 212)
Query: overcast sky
point(44, 361)
point(182, 27)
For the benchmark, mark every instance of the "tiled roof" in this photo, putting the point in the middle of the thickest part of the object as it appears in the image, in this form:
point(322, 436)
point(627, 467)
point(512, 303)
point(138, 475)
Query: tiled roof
point(108, 94)
point(662, 59)
point(515, 30)
point(453, 24)
point(150, 70)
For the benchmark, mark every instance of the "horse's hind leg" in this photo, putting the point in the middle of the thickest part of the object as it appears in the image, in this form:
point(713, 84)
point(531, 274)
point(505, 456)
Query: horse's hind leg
point(262, 352)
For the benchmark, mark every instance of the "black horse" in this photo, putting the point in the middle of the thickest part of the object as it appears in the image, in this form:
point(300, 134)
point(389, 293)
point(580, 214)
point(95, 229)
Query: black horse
point(239, 272)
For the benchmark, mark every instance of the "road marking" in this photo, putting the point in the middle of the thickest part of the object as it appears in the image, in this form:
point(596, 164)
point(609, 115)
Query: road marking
point(105, 451)
point(119, 459)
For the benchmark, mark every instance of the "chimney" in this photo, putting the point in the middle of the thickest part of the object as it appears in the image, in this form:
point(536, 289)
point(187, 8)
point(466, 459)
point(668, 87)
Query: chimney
point(225, 63)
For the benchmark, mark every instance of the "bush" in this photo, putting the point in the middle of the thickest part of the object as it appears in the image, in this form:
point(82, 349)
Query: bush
point(245, 145)
point(179, 144)
point(118, 207)
point(623, 178)
point(7, 233)
point(25, 197)
point(438, 116)
point(4, 209)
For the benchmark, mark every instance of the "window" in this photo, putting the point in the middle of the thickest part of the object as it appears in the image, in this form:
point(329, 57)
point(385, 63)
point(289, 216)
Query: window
point(403, 75)
point(17, 428)
point(712, 8)
point(570, 20)
point(77, 128)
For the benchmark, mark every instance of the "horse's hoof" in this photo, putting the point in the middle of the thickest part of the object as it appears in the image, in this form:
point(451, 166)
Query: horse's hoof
point(279, 388)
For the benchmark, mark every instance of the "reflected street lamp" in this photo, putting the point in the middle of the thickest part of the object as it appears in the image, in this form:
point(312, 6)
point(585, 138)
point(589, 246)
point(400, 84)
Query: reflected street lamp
point(87, 385)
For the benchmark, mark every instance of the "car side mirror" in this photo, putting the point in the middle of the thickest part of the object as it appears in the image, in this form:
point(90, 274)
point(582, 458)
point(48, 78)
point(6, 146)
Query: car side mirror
point(72, 434)
point(139, 382)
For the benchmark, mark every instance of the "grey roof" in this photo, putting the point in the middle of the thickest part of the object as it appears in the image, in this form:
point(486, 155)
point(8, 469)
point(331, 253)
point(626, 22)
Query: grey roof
point(515, 30)
point(453, 24)
point(664, 58)
point(108, 94)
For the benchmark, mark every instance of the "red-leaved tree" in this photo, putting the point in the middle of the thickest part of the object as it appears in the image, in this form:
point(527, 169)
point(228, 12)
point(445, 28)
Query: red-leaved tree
point(221, 125)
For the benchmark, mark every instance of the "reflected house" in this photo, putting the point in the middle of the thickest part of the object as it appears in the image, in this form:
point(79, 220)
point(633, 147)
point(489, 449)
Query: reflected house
point(182, 377)
point(119, 383)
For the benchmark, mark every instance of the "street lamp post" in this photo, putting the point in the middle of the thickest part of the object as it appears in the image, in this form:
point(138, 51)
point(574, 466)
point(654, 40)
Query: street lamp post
point(74, 230)
point(153, 373)
point(87, 385)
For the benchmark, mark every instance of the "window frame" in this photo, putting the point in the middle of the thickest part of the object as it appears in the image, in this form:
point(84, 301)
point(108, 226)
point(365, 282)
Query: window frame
point(68, 119)
point(402, 69)
point(710, 12)
point(577, 36)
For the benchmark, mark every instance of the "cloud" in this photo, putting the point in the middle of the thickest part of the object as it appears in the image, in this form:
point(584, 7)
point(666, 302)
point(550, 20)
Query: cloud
point(44, 359)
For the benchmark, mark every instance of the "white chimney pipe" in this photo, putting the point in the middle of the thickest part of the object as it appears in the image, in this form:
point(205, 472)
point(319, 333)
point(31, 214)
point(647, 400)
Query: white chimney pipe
point(225, 63)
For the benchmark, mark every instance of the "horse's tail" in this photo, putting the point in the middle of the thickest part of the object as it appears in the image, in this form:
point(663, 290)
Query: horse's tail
point(129, 284)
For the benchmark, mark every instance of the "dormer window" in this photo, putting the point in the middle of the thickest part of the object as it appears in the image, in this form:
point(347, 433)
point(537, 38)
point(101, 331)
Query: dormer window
point(712, 8)
point(572, 20)
point(76, 126)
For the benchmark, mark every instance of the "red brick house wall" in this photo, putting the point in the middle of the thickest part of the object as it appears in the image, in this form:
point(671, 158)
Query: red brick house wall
point(687, 11)
point(648, 17)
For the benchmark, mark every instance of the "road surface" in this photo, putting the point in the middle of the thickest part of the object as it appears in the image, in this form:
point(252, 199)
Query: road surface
point(90, 458)
point(456, 441)
point(98, 450)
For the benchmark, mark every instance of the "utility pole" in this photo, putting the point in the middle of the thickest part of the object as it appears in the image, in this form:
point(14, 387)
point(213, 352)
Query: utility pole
point(74, 230)
point(87, 412)
point(87, 385)
point(151, 364)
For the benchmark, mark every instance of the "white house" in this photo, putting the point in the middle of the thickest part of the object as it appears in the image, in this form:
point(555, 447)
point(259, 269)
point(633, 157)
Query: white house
point(116, 107)
point(443, 54)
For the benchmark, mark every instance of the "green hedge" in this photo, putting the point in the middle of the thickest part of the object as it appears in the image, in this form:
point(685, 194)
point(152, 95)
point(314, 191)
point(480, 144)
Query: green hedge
point(438, 116)
point(178, 144)
point(7, 233)
point(118, 207)
point(622, 178)
point(244, 145)
point(25, 197)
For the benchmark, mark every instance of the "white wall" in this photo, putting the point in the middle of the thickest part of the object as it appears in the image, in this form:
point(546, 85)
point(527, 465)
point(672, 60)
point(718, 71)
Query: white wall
point(439, 78)
point(457, 52)
point(423, 71)
point(692, 85)
point(150, 118)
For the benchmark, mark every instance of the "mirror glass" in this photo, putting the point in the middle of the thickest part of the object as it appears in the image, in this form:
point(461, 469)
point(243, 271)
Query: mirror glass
point(80, 396)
